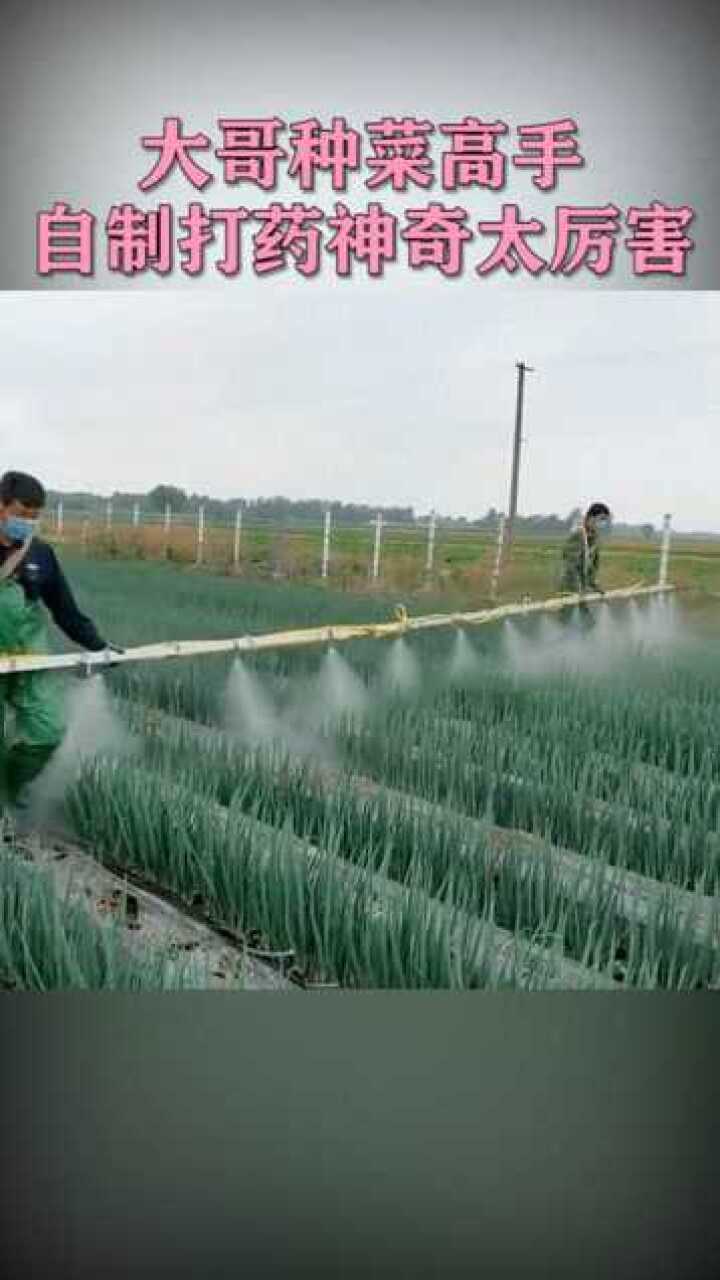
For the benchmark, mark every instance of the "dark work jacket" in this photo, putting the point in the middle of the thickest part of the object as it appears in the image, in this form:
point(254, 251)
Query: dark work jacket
point(41, 578)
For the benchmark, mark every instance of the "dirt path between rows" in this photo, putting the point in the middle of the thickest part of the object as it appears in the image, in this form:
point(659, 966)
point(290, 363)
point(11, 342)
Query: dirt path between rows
point(150, 922)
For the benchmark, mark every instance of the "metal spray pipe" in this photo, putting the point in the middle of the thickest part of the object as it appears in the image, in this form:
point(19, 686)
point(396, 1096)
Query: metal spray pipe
point(401, 625)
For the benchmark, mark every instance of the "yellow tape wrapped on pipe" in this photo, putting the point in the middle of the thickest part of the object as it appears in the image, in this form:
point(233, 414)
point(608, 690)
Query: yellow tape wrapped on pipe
point(403, 624)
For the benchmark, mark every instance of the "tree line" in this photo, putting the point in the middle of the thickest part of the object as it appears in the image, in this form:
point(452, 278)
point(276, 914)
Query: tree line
point(302, 511)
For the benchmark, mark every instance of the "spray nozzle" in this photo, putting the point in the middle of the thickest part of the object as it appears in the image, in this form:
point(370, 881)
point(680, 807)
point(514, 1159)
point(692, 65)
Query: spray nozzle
point(401, 614)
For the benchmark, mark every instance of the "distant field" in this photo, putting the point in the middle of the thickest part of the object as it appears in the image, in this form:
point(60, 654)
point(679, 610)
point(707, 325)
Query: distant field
point(462, 568)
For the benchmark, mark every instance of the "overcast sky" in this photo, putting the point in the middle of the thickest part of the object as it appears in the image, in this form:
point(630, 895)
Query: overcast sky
point(397, 390)
point(375, 392)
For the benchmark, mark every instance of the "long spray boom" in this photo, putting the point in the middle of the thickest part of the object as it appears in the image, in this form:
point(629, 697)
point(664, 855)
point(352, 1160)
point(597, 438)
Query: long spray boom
point(11, 664)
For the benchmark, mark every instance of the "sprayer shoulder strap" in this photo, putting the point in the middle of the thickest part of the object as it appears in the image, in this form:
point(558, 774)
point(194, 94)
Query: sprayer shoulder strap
point(14, 561)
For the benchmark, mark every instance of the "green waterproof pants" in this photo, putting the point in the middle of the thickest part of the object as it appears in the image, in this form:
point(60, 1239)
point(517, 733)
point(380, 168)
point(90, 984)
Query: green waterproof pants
point(32, 698)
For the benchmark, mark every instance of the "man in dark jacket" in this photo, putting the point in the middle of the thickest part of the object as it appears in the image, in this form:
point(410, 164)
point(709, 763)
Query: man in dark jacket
point(31, 577)
point(581, 553)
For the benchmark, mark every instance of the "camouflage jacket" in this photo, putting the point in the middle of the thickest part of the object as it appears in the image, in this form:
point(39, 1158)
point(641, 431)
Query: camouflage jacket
point(581, 560)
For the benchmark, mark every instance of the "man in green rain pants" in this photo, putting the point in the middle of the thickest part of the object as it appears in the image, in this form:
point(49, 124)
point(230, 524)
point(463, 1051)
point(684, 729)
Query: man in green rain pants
point(30, 577)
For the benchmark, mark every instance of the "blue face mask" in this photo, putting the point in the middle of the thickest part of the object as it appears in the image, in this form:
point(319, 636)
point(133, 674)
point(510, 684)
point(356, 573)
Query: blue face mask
point(17, 529)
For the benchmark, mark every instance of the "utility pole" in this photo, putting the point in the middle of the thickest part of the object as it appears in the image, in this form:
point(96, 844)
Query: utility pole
point(522, 369)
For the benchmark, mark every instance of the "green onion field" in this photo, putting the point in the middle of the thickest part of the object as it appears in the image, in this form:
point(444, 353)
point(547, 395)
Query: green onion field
point(535, 805)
